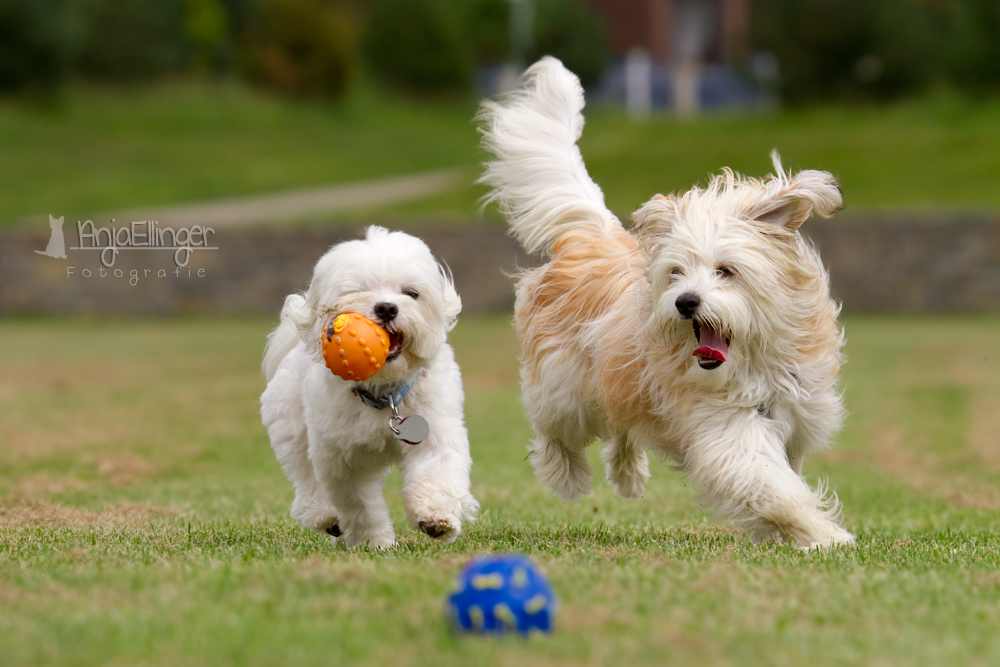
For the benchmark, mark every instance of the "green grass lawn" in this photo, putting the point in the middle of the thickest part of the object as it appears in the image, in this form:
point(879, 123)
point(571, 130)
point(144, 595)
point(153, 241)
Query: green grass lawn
point(103, 151)
point(143, 520)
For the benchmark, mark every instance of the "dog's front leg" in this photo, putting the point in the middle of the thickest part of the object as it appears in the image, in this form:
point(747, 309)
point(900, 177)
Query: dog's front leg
point(436, 485)
point(738, 458)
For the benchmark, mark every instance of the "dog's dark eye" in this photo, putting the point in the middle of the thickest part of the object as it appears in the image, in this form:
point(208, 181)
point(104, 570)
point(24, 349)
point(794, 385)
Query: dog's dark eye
point(677, 272)
point(412, 293)
point(724, 272)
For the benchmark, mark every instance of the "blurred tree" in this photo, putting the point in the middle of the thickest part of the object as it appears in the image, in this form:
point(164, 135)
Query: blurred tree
point(486, 25)
point(37, 44)
point(567, 29)
point(573, 33)
point(846, 49)
point(132, 40)
point(207, 26)
point(972, 44)
point(419, 45)
point(305, 47)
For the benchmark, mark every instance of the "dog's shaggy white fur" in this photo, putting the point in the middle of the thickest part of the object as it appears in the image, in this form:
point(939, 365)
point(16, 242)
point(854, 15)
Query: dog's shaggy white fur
point(707, 334)
point(337, 450)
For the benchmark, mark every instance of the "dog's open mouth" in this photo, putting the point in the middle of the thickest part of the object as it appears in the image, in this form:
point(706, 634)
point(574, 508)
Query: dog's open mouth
point(395, 345)
point(712, 346)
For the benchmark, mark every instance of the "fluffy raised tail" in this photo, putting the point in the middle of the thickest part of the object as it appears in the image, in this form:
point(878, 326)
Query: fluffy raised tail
point(538, 178)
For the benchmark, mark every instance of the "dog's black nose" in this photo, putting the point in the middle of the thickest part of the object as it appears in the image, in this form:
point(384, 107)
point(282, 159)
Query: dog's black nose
point(386, 311)
point(686, 304)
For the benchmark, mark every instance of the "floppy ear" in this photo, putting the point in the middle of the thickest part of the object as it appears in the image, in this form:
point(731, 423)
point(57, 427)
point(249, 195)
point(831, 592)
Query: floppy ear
point(789, 200)
point(452, 302)
point(655, 217)
point(297, 312)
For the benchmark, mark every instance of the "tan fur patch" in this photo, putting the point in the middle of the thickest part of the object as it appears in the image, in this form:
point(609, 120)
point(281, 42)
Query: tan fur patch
point(820, 338)
point(585, 276)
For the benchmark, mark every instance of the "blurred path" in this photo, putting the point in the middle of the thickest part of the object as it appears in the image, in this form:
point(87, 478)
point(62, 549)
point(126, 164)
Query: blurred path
point(256, 209)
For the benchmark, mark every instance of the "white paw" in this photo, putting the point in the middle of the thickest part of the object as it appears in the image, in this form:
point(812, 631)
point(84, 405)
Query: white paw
point(627, 470)
point(440, 516)
point(630, 486)
point(445, 530)
point(374, 540)
point(373, 543)
point(381, 544)
point(839, 538)
point(320, 519)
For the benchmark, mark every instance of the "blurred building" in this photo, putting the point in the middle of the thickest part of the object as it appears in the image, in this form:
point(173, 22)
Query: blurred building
point(688, 53)
point(710, 30)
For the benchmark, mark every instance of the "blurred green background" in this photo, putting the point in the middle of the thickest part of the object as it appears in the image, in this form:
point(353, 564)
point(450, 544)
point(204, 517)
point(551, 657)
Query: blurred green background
point(108, 105)
point(143, 519)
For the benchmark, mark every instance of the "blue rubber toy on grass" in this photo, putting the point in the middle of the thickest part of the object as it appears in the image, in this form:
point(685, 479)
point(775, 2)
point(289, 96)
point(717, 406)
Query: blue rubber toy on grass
point(500, 594)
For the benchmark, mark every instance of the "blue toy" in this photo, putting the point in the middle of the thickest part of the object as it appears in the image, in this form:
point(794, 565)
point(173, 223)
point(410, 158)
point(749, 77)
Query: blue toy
point(499, 594)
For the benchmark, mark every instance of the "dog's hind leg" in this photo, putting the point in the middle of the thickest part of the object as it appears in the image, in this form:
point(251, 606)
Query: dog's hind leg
point(311, 507)
point(561, 467)
point(626, 466)
point(563, 427)
point(354, 484)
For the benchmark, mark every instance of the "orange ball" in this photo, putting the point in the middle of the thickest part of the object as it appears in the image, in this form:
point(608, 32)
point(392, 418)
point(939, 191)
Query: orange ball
point(355, 348)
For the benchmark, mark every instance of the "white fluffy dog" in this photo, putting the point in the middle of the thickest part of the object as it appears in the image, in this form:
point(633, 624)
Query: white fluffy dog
point(707, 334)
point(337, 448)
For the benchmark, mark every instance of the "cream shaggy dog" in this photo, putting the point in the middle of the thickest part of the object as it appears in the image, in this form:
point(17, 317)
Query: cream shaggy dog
point(706, 334)
point(337, 449)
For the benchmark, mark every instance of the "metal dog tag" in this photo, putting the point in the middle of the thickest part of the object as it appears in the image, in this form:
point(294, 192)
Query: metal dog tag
point(412, 430)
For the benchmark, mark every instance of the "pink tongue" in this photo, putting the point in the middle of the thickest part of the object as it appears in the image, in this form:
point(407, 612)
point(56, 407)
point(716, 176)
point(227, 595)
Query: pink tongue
point(713, 346)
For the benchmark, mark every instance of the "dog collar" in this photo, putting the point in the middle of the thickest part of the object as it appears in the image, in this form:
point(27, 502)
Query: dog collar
point(393, 398)
point(411, 430)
